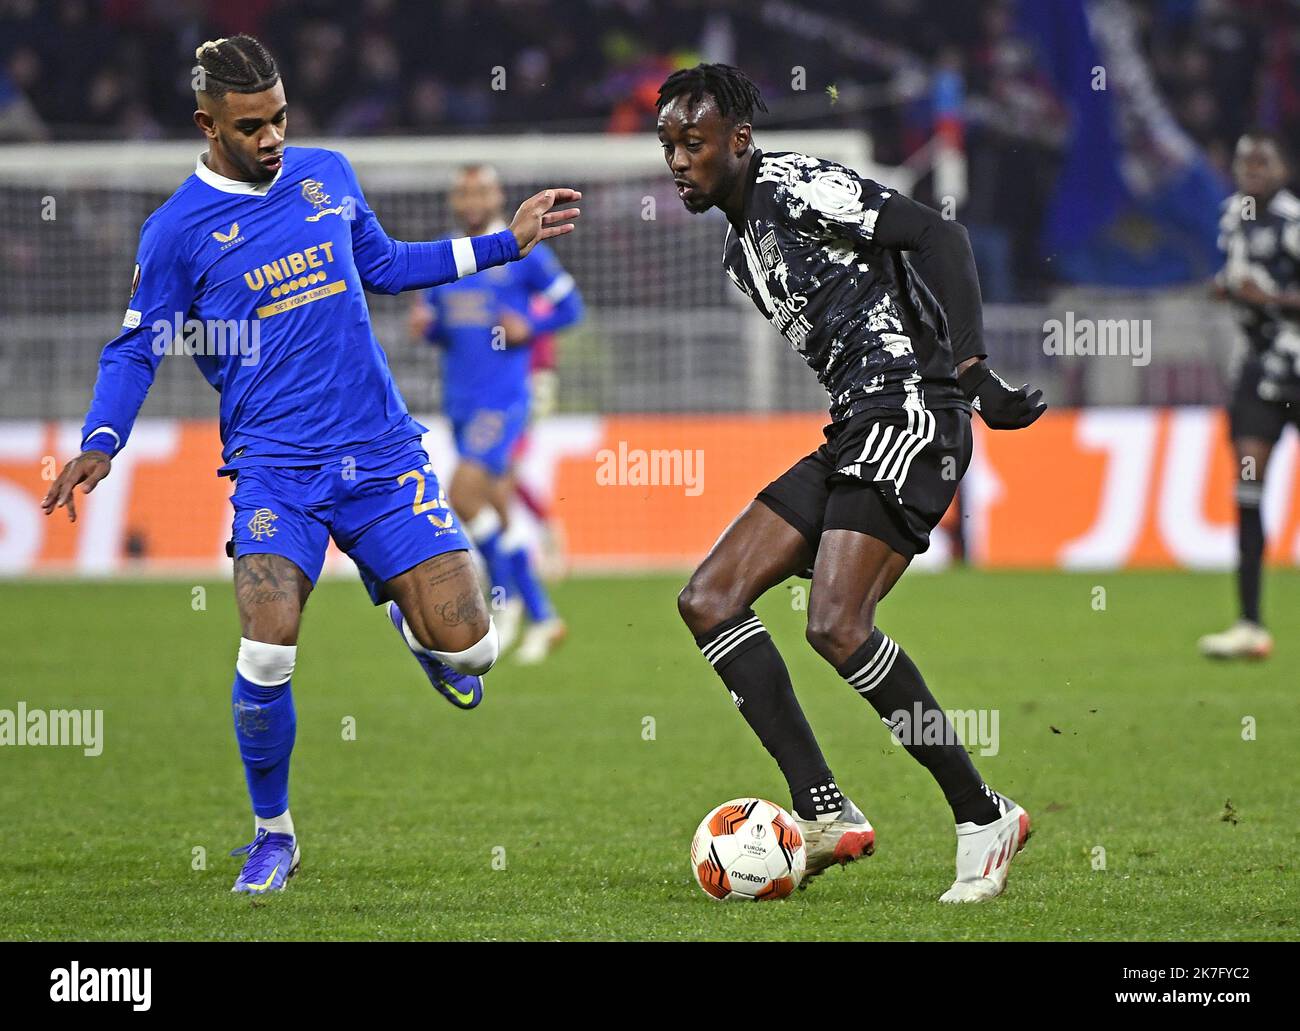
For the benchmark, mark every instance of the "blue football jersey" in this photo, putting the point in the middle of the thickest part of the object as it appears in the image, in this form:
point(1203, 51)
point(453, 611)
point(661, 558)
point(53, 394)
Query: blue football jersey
point(478, 370)
point(264, 286)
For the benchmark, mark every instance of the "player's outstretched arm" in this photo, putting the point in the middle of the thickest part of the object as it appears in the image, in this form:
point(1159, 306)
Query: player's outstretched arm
point(86, 470)
point(161, 295)
point(388, 266)
point(943, 247)
point(537, 220)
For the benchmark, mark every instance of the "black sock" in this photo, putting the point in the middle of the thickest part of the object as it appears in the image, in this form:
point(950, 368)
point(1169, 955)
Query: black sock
point(1250, 545)
point(742, 653)
point(882, 673)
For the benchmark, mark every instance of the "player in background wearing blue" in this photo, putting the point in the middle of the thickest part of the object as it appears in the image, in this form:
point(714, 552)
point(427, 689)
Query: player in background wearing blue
point(263, 257)
point(485, 328)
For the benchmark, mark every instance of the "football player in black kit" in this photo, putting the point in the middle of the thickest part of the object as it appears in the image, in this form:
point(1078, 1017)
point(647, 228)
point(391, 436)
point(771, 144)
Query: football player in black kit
point(1259, 234)
point(819, 250)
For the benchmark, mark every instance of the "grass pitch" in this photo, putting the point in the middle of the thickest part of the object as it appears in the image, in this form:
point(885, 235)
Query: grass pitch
point(1122, 743)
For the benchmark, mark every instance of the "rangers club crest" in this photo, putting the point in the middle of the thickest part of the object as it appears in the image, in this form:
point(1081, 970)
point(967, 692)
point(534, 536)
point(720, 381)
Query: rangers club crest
point(313, 192)
point(262, 524)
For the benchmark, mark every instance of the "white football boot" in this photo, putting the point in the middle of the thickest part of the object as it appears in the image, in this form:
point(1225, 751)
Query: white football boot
point(839, 841)
point(540, 639)
point(1242, 640)
point(984, 854)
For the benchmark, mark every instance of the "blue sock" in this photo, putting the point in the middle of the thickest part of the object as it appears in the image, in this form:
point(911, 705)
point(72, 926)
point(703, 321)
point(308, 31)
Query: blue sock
point(498, 567)
point(486, 532)
point(530, 587)
point(265, 724)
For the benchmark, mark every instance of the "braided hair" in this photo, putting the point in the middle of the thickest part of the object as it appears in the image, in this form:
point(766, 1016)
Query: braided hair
point(731, 89)
point(239, 64)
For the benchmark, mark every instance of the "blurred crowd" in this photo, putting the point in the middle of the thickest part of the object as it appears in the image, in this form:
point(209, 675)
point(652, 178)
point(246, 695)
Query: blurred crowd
point(119, 68)
point(114, 69)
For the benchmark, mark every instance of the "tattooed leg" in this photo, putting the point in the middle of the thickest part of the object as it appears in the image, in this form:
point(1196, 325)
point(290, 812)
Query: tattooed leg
point(442, 602)
point(271, 592)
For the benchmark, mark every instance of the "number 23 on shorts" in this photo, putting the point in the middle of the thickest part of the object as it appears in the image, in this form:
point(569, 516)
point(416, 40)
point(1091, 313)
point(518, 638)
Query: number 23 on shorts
point(427, 508)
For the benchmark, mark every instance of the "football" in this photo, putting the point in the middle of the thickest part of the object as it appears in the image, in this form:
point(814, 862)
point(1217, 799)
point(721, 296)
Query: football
point(749, 850)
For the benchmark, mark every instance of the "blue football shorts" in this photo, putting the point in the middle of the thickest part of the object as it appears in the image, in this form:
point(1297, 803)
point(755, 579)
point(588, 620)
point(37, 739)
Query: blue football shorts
point(385, 509)
point(489, 436)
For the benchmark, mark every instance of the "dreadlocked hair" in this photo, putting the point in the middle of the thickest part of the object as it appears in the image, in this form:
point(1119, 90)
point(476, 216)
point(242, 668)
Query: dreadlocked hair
point(239, 64)
point(731, 89)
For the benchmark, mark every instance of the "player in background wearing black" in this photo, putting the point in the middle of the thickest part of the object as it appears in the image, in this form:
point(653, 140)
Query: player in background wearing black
point(1259, 234)
point(819, 251)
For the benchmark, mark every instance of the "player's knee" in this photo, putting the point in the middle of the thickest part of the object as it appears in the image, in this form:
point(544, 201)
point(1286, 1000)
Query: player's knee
point(279, 629)
point(463, 504)
point(687, 604)
point(703, 604)
point(469, 491)
point(265, 664)
point(479, 657)
point(836, 632)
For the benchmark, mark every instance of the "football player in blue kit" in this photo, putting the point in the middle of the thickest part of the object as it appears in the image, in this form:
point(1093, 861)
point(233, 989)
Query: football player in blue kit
point(276, 247)
point(486, 325)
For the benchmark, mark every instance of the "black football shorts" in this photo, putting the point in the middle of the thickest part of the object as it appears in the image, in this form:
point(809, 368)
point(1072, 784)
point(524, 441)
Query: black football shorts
point(1250, 415)
point(891, 475)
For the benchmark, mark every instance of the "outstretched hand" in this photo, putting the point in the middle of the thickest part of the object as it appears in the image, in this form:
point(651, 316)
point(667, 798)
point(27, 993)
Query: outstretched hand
point(536, 219)
point(1001, 406)
point(87, 469)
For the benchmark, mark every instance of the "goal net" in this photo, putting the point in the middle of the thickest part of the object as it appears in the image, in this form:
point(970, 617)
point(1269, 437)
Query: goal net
point(665, 330)
point(676, 400)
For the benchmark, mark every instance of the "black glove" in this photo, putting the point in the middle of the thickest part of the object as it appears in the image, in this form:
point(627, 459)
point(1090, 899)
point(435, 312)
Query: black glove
point(1000, 405)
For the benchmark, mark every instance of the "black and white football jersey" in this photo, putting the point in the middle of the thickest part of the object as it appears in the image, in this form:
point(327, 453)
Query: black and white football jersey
point(1266, 248)
point(858, 314)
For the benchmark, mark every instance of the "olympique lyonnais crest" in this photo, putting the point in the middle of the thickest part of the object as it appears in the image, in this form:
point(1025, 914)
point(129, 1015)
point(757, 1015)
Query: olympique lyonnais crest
point(770, 252)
